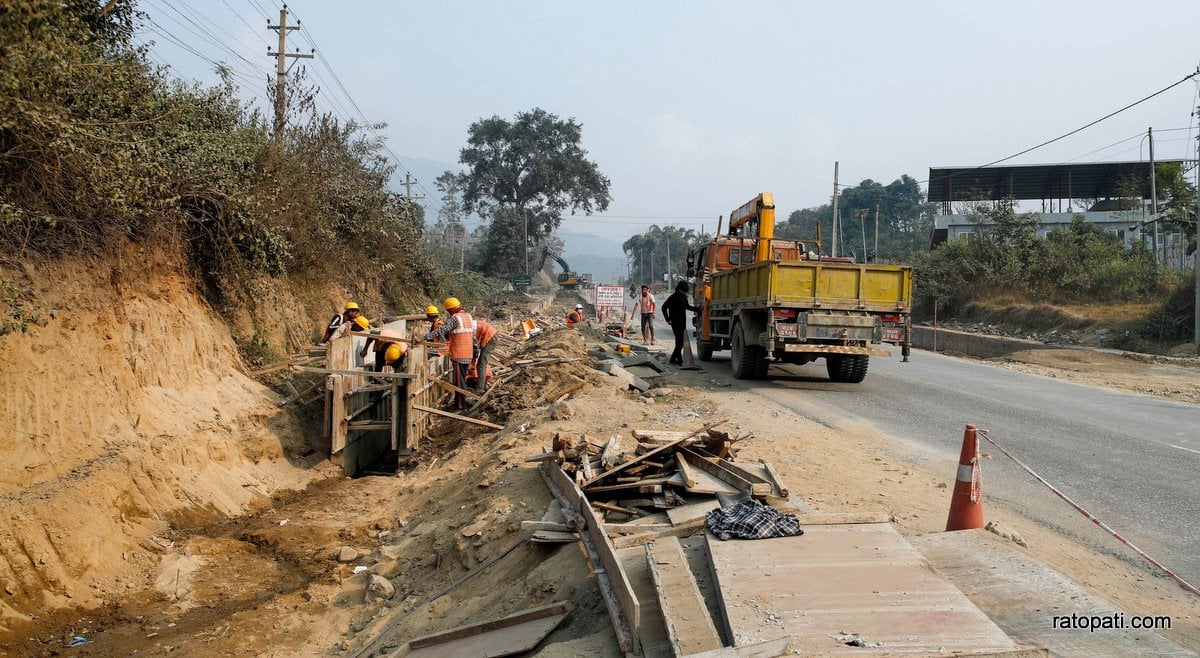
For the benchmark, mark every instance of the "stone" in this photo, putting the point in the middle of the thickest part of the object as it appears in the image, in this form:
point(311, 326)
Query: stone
point(659, 392)
point(347, 554)
point(380, 587)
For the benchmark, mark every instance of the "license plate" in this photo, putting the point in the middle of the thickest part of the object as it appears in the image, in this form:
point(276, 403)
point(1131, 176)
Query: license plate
point(892, 335)
point(787, 330)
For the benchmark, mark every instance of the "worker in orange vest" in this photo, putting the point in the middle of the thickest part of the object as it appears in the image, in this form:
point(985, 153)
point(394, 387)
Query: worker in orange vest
point(575, 316)
point(484, 335)
point(645, 305)
point(394, 356)
point(459, 334)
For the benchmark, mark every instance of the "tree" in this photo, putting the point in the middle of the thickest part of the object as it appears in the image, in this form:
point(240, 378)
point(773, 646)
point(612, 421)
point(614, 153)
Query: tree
point(660, 251)
point(523, 175)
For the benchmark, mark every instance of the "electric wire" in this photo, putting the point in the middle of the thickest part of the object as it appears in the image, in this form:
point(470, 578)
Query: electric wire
point(200, 32)
point(253, 31)
point(1079, 129)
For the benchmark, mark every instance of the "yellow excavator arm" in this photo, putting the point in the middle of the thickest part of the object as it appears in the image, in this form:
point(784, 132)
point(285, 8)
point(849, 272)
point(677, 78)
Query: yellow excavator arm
point(759, 212)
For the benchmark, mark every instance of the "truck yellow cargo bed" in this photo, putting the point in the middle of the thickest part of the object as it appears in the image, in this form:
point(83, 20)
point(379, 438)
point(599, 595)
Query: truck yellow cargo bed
point(816, 285)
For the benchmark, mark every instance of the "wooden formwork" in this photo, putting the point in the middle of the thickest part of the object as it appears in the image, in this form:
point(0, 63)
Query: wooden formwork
point(368, 413)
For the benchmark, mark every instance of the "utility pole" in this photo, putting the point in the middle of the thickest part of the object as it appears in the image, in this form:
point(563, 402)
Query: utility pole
point(833, 250)
point(280, 64)
point(862, 229)
point(876, 258)
point(1153, 194)
point(1196, 253)
point(668, 236)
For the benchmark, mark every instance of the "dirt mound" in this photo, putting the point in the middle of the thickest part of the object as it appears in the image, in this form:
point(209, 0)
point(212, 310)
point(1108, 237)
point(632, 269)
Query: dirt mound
point(549, 366)
point(126, 412)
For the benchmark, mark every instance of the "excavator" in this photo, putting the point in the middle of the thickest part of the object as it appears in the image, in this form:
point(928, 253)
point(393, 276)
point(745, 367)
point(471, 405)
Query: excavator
point(567, 279)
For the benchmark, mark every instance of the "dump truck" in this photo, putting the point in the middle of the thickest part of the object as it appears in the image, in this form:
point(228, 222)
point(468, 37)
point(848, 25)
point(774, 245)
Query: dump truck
point(767, 299)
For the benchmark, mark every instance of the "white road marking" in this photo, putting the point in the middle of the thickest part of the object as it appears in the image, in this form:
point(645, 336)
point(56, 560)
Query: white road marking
point(1183, 448)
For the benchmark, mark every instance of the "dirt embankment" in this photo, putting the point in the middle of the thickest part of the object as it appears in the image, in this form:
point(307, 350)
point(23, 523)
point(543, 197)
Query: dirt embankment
point(126, 412)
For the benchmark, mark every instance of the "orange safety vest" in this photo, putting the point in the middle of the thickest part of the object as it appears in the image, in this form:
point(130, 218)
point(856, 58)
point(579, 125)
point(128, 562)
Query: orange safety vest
point(462, 337)
point(484, 332)
point(434, 327)
point(647, 304)
point(573, 317)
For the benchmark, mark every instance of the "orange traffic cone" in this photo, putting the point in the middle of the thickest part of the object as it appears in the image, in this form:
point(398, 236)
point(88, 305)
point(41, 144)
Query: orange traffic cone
point(966, 504)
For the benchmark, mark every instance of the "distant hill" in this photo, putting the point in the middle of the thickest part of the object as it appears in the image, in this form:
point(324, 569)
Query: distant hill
point(600, 256)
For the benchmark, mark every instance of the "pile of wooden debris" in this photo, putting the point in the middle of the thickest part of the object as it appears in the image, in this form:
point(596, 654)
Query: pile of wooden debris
point(664, 484)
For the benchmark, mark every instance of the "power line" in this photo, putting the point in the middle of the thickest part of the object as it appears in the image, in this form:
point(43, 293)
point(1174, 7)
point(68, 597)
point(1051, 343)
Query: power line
point(246, 23)
point(1079, 129)
point(201, 32)
point(367, 125)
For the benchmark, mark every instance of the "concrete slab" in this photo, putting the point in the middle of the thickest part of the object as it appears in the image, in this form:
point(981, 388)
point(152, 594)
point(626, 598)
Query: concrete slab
point(846, 581)
point(1024, 596)
point(689, 626)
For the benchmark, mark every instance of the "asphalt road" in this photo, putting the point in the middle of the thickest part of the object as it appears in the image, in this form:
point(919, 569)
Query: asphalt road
point(1131, 460)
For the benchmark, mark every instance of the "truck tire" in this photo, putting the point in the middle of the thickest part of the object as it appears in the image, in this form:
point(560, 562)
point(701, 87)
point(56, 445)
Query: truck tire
point(858, 368)
point(838, 366)
point(704, 349)
point(747, 361)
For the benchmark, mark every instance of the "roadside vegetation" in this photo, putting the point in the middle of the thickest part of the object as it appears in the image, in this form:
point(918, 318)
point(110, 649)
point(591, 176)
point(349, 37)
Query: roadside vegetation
point(101, 149)
point(1080, 279)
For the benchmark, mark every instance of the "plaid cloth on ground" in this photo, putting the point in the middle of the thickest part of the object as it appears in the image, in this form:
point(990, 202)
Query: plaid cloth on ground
point(751, 519)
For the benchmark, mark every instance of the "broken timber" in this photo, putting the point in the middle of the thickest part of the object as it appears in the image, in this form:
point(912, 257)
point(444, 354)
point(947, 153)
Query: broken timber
point(622, 603)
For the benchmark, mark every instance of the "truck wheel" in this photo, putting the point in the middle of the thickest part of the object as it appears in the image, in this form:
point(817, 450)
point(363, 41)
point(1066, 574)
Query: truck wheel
point(838, 366)
point(858, 368)
point(764, 363)
point(739, 361)
point(704, 349)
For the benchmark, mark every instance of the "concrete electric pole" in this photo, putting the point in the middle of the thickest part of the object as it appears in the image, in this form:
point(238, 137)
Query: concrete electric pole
point(280, 64)
point(833, 250)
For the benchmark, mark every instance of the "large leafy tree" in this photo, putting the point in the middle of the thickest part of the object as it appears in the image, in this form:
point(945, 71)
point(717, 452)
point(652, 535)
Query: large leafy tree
point(524, 175)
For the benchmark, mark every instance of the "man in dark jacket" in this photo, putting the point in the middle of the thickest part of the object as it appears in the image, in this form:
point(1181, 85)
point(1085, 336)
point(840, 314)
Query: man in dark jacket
point(675, 311)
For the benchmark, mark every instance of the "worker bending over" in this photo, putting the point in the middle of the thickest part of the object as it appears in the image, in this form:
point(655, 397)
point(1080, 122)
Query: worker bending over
point(575, 316)
point(485, 334)
point(459, 332)
point(394, 356)
point(675, 311)
point(349, 313)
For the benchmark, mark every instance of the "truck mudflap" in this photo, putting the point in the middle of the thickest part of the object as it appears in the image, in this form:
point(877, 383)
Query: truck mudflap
point(836, 349)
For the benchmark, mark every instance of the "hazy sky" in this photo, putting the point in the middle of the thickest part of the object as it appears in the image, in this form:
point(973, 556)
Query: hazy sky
point(692, 108)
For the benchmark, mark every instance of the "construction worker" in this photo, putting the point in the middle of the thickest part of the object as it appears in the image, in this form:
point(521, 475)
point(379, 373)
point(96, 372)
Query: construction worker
point(459, 333)
point(348, 314)
point(393, 356)
point(645, 305)
point(675, 311)
point(484, 335)
point(575, 316)
point(378, 340)
point(434, 318)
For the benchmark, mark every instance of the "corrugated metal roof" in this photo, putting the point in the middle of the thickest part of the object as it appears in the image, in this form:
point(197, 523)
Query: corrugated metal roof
point(1076, 180)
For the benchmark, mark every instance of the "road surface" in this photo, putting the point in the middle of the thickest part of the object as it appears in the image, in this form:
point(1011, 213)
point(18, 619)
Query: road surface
point(1131, 460)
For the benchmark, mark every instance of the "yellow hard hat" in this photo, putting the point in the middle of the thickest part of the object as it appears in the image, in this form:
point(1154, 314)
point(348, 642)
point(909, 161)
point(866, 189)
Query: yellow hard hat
point(451, 303)
point(431, 310)
point(394, 352)
point(351, 306)
point(362, 322)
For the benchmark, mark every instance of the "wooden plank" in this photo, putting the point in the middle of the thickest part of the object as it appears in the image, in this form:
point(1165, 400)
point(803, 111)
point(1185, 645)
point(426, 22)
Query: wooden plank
point(355, 373)
point(659, 450)
point(649, 485)
point(653, 630)
point(337, 412)
point(553, 537)
point(689, 626)
point(612, 450)
point(773, 477)
point(866, 579)
point(369, 426)
point(623, 607)
point(512, 635)
point(394, 413)
point(454, 389)
point(687, 472)
point(608, 507)
point(684, 529)
point(687, 513)
point(465, 419)
point(721, 470)
point(706, 483)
